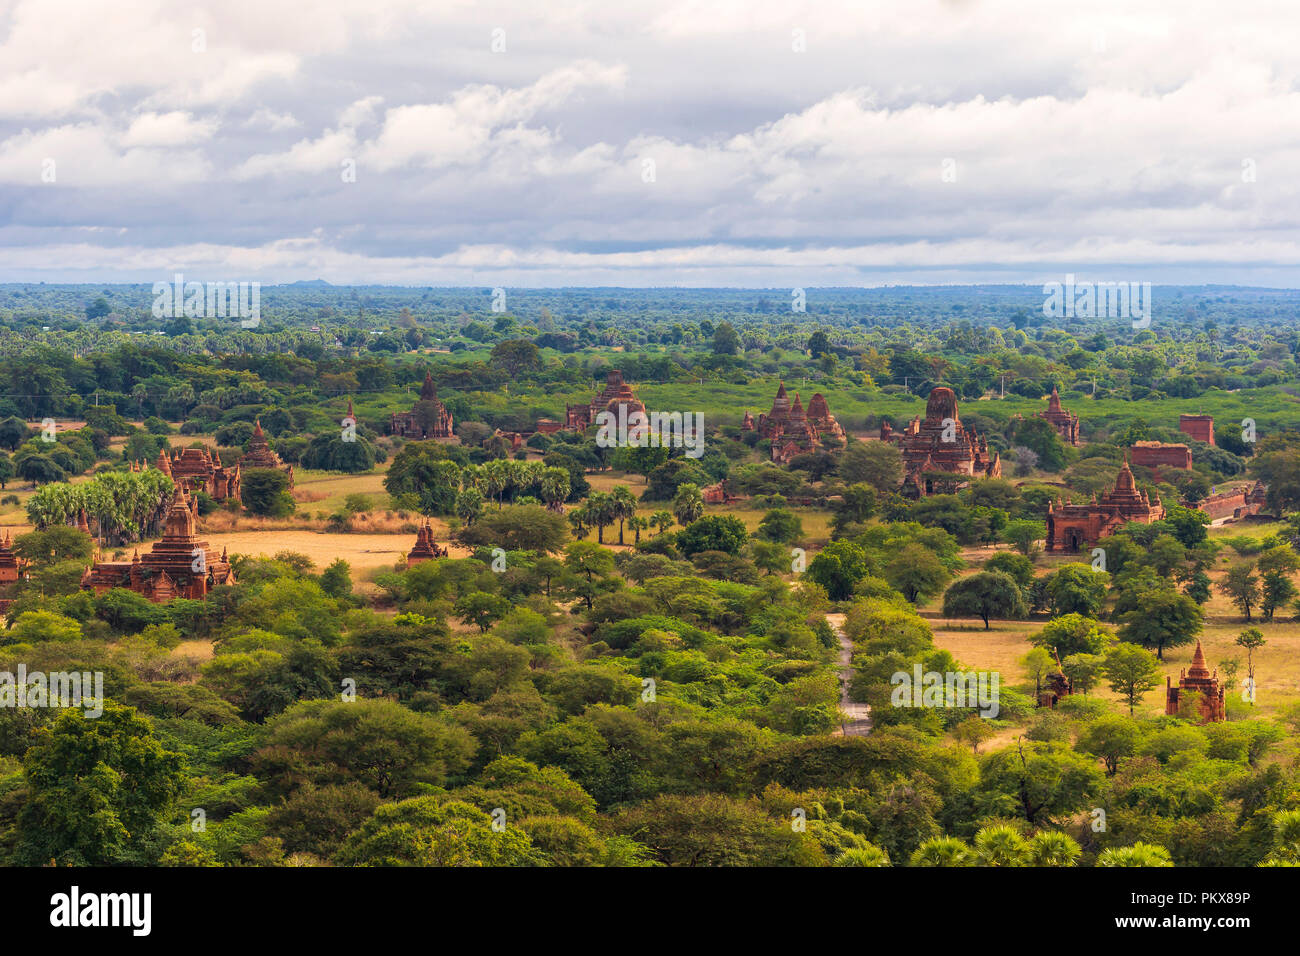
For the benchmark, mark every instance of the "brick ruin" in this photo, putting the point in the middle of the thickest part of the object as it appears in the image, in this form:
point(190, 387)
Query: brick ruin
point(940, 443)
point(1065, 423)
point(428, 417)
point(1156, 455)
point(1200, 680)
point(260, 455)
point(1197, 427)
point(616, 395)
point(200, 471)
point(426, 548)
point(794, 431)
point(1071, 527)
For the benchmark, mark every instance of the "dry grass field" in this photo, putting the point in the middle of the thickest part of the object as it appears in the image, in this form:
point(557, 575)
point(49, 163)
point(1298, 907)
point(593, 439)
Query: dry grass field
point(1277, 664)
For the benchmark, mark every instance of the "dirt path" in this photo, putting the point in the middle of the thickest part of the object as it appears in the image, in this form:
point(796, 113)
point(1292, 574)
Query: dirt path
point(858, 716)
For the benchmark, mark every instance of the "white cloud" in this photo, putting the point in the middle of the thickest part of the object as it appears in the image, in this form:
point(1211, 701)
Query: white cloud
point(173, 129)
point(1078, 135)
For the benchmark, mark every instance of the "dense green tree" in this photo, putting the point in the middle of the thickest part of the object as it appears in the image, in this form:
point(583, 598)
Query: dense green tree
point(98, 788)
point(985, 594)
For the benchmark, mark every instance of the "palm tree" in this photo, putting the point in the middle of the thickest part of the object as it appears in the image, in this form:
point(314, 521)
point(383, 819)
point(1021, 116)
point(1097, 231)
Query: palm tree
point(496, 478)
point(1052, 848)
point(638, 524)
point(661, 520)
point(942, 851)
point(1139, 854)
point(624, 507)
point(602, 507)
point(1001, 845)
point(869, 855)
point(554, 484)
point(580, 520)
point(688, 506)
point(469, 504)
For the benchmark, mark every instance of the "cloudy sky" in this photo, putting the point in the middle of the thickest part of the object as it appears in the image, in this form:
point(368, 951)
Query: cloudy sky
point(673, 142)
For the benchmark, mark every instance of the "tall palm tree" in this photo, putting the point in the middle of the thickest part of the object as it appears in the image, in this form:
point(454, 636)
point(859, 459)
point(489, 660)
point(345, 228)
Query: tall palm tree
point(637, 524)
point(603, 512)
point(688, 506)
point(623, 507)
point(580, 520)
point(554, 486)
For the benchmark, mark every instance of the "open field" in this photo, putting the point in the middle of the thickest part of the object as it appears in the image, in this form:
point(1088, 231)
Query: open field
point(1277, 664)
point(335, 488)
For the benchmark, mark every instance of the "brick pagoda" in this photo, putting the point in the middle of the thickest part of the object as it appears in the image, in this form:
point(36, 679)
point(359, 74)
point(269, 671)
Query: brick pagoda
point(178, 566)
point(260, 455)
point(1065, 423)
point(1070, 527)
point(428, 417)
point(1200, 680)
point(941, 443)
point(616, 395)
point(426, 548)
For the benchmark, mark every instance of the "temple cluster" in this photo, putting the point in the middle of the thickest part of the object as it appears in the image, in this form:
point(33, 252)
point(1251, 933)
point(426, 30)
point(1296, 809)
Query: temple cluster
point(179, 566)
point(794, 431)
point(940, 445)
point(428, 417)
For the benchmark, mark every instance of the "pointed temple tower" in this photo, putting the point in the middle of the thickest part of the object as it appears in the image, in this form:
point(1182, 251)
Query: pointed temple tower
point(1070, 527)
point(180, 565)
point(1198, 678)
point(939, 442)
point(260, 455)
point(617, 398)
point(426, 548)
point(793, 431)
point(428, 417)
point(1065, 423)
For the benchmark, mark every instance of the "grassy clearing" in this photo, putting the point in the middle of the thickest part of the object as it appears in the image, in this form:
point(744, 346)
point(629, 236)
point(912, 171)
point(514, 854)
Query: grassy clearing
point(1277, 664)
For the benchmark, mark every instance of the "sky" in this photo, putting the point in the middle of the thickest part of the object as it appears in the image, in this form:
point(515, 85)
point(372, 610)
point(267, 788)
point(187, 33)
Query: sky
point(665, 143)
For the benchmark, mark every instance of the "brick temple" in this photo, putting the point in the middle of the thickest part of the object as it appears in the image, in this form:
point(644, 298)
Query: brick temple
point(10, 571)
point(1157, 455)
point(1070, 527)
point(616, 397)
point(1200, 680)
point(426, 548)
point(1197, 427)
point(178, 566)
point(428, 417)
point(794, 431)
point(260, 455)
point(1065, 423)
point(200, 471)
point(940, 443)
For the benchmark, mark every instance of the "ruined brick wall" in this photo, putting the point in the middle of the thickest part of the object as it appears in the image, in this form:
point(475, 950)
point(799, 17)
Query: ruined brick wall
point(1198, 427)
